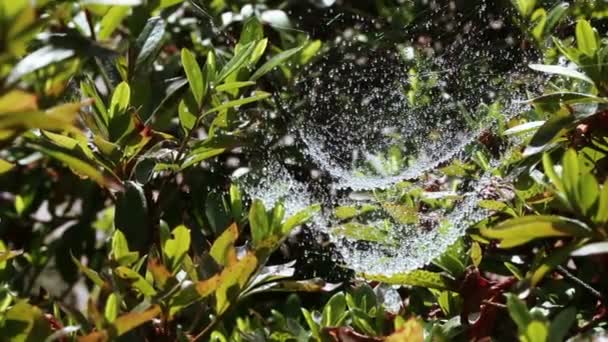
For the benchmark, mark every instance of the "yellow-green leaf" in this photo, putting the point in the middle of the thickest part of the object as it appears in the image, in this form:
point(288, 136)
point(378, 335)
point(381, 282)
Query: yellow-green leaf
point(194, 75)
point(259, 95)
point(5, 166)
point(133, 319)
point(521, 230)
point(415, 278)
point(177, 247)
point(222, 250)
point(587, 38)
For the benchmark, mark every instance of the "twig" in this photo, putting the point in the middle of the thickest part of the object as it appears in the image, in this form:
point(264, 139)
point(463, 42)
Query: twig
point(564, 272)
point(207, 328)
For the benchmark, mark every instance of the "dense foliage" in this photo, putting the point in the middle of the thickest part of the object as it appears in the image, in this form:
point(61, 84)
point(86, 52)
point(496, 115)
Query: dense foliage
point(122, 122)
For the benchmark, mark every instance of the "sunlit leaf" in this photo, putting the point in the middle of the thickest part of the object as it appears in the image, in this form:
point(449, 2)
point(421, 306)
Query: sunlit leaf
point(16, 101)
point(91, 274)
point(236, 62)
point(274, 62)
point(300, 218)
point(234, 277)
point(149, 42)
point(334, 311)
point(412, 330)
point(234, 85)
point(587, 38)
point(562, 71)
point(136, 280)
point(177, 247)
point(415, 278)
point(591, 249)
point(24, 322)
point(194, 75)
point(5, 166)
point(222, 250)
point(112, 20)
point(521, 230)
point(39, 59)
point(134, 319)
point(258, 221)
point(259, 95)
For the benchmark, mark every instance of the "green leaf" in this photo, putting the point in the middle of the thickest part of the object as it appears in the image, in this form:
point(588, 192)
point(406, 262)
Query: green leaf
point(363, 232)
point(570, 175)
point(259, 95)
point(587, 193)
point(258, 221)
point(186, 116)
point(198, 155)
point(111, 20)
point(334, 311)
point(525, 7)
point(560, 325)
point(222, 250)
point(16, 101)
point(521, 230)
point(58, 118)
point(420, 278)
point(8, 255)
point(309, 51)
point(5, 166)
point(537, 331)
point(113, 2)
point(276, 218)
point(176, 248)
point(454, 259)
point(135, 280)
point(194, 75)
point(547, 133)
point(601, 217)
point(120, 100)
point(566, 97)
point(233, 85)
point(232, 281)
point(274, 62)
point(312, 324)
point(562, 71)
point(237, 61)
point(39, 59)
point(120, 250)
point(539, 20)
point(523, 128)
point(300, 218)
point(518, 311)
point(587, 38)
point(24, 322)
point(211, 68)
point(102, 118)
point(550, 172)
point(252, 31)
point(78, 165)
point(257, 52)
point(476, 254)
point(556, 14)
point(112, 308)
point(236, 202)
point(91, 274)
point(133, 319)
point(149, 42)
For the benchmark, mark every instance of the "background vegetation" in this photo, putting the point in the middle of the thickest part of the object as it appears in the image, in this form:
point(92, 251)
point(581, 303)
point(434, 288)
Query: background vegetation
point(120, 121)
